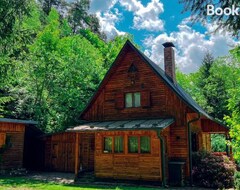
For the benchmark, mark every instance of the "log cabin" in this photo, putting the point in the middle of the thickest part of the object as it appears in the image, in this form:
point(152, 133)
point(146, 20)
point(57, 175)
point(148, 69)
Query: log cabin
point(19, 137)
point(139, 125)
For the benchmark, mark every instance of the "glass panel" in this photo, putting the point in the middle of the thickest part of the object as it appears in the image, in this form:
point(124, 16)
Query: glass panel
point(145, 144)
point(118, 144)
point(133, 144)
point(128, 100)
point(137, 99)
point(107, 145)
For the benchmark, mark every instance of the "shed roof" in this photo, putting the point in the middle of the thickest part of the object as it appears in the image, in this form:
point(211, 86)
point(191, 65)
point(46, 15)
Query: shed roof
point(7, 120)
point(144, 124)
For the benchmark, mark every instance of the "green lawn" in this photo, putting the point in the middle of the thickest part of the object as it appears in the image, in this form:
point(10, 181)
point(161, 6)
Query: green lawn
point(21, 183)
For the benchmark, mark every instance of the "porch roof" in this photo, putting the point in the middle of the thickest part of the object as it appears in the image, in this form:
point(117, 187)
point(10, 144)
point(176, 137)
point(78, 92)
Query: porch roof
point(144, 124)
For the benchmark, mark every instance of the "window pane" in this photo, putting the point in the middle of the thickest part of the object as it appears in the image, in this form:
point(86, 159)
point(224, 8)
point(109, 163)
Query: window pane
point(128, 100)
point(137, 99)
point(107, 144)
point(118, 144)
point(145, 144)
point(133, 144)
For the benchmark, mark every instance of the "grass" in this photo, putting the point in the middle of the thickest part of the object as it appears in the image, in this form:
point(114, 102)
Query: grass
point(21, 183)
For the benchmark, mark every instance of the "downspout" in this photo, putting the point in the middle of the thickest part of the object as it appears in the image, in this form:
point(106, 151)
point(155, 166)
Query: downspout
point(162, 158)
point(190, 146)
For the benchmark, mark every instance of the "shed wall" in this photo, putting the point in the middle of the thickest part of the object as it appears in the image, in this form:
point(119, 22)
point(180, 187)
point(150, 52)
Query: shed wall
point(13, 157)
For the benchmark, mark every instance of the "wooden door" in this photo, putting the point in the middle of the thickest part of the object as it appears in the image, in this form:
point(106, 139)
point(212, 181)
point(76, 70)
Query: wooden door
point(87, 149)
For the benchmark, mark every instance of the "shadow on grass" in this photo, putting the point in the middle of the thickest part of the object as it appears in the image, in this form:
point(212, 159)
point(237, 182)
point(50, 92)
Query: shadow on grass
point(38, 184)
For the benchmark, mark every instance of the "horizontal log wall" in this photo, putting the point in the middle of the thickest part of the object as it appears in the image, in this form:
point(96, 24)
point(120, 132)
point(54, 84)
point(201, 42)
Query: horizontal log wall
point(126, 165)
point(13, 157)
point(164, 102)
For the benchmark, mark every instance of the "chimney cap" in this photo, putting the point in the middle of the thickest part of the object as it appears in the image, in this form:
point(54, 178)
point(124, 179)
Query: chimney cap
point(168, 44)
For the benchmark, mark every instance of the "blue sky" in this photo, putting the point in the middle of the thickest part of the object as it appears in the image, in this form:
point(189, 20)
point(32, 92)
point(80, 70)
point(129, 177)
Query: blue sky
point(153, 22)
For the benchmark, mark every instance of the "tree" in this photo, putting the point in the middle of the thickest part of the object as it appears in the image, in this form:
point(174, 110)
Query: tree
point(204, 70)
point(215, 92)
point(63, 71)
point(13, 41)
point(10, 12)
point(79, 17)
point(234, 103)
point(108, 49)
point(47, 5)
point(77, 14)
point(198, 9)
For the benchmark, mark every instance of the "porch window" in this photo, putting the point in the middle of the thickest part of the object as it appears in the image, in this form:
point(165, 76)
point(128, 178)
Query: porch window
point(145, 144)
point(133, 144)
point(132, 99)
point(107, 145)
point(118, 144)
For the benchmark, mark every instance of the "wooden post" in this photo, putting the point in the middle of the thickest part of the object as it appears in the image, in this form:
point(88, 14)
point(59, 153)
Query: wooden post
point(76, 155)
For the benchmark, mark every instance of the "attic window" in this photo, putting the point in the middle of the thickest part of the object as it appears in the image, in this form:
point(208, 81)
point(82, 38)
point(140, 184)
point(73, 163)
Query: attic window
point(132, 69)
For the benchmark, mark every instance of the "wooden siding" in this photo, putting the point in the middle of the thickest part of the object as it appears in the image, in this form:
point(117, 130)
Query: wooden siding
point(164, 102)
point(205, 141)
point(128, 165)
point(13, 157)
point(87, 149)
point(60, 152)
point(2, 139)
point(212, 127)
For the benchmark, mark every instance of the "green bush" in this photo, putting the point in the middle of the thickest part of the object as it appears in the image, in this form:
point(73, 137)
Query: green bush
point(218, 143)
point(237, 180)
point(213, 171)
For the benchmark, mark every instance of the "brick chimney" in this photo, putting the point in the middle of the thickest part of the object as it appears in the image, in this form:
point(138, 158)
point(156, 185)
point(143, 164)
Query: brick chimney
point(169, 61)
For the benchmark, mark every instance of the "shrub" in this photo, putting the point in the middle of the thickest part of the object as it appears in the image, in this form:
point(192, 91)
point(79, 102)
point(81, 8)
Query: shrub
point(237, 180)
point(213, 171)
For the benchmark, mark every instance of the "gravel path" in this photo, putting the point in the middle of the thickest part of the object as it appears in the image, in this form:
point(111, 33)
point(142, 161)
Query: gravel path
point(56, 177)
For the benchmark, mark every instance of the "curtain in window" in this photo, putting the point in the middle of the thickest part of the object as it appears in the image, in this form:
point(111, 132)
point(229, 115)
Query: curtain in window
point(107, 144)
point(118, 144)
point(137, 99)
point(145, 144)
point(128, 100)
point(133, 144)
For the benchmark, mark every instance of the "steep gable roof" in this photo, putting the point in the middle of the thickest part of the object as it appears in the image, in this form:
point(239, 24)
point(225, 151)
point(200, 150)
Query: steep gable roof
point(180, 92)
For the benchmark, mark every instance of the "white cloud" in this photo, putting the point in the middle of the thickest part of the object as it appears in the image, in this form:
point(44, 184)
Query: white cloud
point(101, 5)
point(131, 5)
point(191, 46)
point(145, 17)
point(107, 22)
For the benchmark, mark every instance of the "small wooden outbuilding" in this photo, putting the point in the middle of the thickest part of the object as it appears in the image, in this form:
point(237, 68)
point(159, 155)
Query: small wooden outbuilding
point(19, 144)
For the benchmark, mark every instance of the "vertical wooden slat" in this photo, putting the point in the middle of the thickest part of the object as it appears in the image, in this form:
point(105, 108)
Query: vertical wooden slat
point(76, 154)
point(2, 139)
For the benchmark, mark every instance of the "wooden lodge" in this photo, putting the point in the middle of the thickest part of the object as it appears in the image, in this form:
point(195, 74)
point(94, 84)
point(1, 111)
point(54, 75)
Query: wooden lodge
point(19, 137)
point(139, 125)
